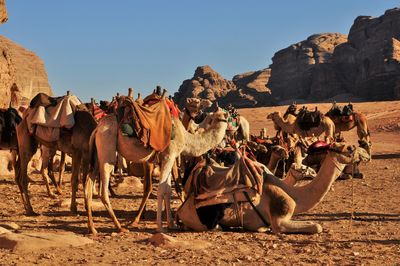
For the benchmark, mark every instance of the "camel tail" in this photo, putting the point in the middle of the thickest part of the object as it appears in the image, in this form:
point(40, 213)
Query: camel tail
point(92, 151)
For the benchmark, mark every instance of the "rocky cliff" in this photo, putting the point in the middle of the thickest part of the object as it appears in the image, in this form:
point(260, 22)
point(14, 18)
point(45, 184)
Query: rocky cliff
point(24, 69)
point(245, 90)
point(305, 70)
point(365, 64)
point(368, 64)
point(3, 12)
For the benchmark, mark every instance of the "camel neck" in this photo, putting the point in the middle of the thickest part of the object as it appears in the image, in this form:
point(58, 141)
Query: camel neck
point(273, 162)
point(283, 124)
point(310, 195)
point(198, 144)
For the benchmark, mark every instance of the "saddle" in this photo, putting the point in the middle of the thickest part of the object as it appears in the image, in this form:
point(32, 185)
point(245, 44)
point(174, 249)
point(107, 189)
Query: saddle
point(318, 147)
point(344, 114)
point(42, 99)
point(151, 124)
point(213, 184)
point(307, 120)
point(212, 188)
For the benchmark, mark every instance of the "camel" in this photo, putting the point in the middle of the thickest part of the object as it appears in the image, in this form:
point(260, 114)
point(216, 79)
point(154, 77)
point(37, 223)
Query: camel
point(75, 143)
point(348, 122)
point(9, 118)
point(194, 108)
point(291, 126)
point(280, 201)
point(107, 139)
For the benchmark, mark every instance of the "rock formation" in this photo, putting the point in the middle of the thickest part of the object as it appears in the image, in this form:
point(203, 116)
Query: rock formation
point(365, 65)
point(24, 69)
point(368, 64)
point(245, 91)
point(305, 70)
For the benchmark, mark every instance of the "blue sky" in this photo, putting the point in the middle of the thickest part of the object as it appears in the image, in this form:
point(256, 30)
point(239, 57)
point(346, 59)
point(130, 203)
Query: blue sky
point(97, 47)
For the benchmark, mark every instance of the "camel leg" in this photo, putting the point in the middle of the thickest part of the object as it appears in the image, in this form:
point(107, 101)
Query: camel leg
point(76, 168)
point(44, 170)
point(177, 181)
point(26, 147)
point(281, 208)
point(105, 172)
point(164, 190)
point(147, 188)
point(61, 169)
point(89, 185)
point(50, 173)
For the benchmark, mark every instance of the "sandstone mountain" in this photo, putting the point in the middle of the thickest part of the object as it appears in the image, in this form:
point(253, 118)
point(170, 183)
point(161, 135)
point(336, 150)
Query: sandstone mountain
point(245, 90)
point(363, 65)
point(24, 69)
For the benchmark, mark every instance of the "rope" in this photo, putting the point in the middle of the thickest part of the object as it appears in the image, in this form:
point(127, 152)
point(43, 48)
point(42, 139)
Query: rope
point(352, 197)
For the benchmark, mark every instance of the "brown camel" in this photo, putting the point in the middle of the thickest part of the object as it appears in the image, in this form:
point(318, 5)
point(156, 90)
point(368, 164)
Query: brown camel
point(280, 201)
point(107, 139)
point(75, 142)
point(291, 126)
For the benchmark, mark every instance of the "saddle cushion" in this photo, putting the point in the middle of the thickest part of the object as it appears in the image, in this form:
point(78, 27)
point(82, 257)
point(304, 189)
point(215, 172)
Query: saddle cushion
point(307, 120)
point(318, 147)
point(152, 123)
point(213, 184)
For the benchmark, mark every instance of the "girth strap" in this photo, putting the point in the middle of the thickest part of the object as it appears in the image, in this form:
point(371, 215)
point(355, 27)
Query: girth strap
point(255, 209)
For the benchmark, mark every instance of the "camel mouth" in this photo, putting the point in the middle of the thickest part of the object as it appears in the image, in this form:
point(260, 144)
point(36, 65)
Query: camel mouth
point(361, 155)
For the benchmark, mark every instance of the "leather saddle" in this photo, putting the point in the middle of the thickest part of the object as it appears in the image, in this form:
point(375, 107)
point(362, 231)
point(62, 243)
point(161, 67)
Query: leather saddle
point(307, 120)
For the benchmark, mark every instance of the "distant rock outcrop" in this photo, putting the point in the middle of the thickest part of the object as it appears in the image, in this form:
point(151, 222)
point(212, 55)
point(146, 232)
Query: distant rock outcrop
point(368, 65)
point(24, 69)
point(3, 12)
point(305, 70)
point(244, 91)
point(365, 64)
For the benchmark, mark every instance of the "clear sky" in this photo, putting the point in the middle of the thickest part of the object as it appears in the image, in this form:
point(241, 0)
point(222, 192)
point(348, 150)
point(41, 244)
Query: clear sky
point(97, 47)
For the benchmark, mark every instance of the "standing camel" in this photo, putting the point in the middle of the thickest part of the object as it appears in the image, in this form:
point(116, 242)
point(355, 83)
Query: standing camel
point(75, 142)
point(107, 139)
point(291, 126)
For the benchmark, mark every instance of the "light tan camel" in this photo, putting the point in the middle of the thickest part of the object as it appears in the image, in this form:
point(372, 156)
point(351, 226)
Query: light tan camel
point(107, 140)
point(279, 201)
point(76, 144)
point(290, 126)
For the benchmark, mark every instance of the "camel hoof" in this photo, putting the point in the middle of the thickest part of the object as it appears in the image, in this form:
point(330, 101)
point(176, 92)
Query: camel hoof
point(74, 210)
point(345, 177)
point(123, 230)
point(263, 229)
point(358, 175)
point(92, 231)
point(32, 213)
point(52, 196)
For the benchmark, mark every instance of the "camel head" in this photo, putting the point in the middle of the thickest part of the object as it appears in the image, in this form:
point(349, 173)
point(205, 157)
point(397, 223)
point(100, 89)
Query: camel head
point(273, 115)
point(349, 154)
point(280, 151)
point(194, 105)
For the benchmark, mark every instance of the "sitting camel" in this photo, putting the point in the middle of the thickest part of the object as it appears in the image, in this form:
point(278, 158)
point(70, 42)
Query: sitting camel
point(291, 126)
point(280, 201)
point(107, 139)
point(74, 141)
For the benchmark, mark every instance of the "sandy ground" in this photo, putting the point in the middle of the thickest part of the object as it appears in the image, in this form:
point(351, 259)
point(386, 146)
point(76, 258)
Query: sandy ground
point(372, 238)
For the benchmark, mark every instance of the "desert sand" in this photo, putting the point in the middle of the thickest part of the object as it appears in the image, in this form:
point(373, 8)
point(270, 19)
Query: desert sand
point(372, 237)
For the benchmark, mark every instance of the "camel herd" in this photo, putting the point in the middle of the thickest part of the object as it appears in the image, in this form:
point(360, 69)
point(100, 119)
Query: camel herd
point(202, 139)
